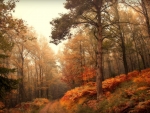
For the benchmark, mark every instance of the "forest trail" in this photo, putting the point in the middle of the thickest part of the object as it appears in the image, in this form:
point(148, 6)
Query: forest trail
point(45, 109)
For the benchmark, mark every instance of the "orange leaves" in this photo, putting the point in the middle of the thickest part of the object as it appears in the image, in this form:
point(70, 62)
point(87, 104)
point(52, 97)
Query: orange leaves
point(78, 95)
point(133, 74)
point(111, 83)
point(144, 77)
point(88, 73)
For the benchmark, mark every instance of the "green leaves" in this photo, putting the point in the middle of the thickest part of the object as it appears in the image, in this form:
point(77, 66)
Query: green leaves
point(6, 85)
point(79, 14)
point(61, 28)
point(4, 70)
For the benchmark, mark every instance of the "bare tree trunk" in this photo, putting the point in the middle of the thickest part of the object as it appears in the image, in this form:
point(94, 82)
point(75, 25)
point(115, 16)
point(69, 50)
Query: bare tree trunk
point(99, 52)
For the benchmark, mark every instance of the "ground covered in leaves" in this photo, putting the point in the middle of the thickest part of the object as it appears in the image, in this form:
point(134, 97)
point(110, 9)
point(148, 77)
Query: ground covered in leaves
point(28, 107)
point(122, 94)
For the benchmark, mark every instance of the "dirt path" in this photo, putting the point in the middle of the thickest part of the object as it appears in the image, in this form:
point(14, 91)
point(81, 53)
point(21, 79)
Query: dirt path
point(45, 109)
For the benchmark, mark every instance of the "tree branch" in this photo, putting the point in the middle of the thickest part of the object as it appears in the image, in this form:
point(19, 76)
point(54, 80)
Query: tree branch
point(134, 8)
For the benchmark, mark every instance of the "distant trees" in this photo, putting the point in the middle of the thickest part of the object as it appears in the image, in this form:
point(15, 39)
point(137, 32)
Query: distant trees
point(27, 66)
point(36, 69)
point(78, 55)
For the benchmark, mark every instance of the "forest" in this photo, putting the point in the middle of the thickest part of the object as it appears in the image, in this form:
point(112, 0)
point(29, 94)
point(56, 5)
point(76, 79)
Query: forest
point(103, 66)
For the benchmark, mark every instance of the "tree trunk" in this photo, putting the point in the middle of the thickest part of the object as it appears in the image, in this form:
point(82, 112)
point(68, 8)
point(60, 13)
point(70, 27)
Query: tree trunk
point(99, 70)
point(99, 52)
point(143, 61)
point(145, 13)
point(99, 66)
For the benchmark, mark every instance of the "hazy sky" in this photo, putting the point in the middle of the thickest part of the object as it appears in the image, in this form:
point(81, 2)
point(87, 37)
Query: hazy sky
point(39, 13)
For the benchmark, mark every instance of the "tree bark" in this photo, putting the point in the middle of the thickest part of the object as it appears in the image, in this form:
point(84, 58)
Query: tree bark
point(99, 52)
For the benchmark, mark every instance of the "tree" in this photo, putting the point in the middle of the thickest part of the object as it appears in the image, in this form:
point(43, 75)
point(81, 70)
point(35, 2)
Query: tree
point(88, 13)
point(6, 83)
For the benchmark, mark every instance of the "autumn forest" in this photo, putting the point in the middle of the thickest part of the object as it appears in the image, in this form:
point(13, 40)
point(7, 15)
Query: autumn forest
point(103, 65)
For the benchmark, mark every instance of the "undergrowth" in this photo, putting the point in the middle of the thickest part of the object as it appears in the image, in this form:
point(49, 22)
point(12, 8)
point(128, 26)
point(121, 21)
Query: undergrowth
point(85, 109)
point(125, 98)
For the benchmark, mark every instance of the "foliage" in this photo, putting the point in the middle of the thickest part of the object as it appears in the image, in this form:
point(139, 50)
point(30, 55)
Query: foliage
point(127, 97)
point(107, 20)
point(37, 103)
point(7, 85)
point(79, 95)
point(120, 93)
point(85, 109)
point(60, 24)
point(88, 74)
point(78, 56)
point(56, 107)
point(144, 78)
point(7, 24)
point(31, 107)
